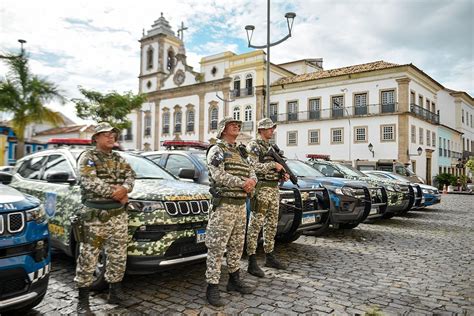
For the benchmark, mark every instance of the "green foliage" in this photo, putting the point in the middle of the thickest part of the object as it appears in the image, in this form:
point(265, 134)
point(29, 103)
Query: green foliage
point(470, 164)
point(24, 95)
point(112, 107)
point(445, 179)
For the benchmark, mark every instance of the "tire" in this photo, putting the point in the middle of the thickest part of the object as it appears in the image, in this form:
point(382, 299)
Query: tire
point(320, 231)
point(286, 239)
point(347, 226)
point(98, 283)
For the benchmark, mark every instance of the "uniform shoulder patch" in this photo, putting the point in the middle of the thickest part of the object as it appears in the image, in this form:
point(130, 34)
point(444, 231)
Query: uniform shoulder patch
point(90, 163)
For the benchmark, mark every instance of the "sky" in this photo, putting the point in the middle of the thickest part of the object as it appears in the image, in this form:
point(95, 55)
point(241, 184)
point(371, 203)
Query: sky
point(94, 44)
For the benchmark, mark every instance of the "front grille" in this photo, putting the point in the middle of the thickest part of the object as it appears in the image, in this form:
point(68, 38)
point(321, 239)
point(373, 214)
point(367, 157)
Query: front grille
point(12, 223)
point(359, 194)
point(14, 282)
point(183, 208)
point(376, 195)
point(405, 189)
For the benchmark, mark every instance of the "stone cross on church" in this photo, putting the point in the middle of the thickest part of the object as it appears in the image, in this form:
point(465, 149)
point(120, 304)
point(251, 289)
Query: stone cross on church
point(181, 31)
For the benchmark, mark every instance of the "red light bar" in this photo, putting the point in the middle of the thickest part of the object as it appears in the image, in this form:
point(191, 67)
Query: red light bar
point(70, 141)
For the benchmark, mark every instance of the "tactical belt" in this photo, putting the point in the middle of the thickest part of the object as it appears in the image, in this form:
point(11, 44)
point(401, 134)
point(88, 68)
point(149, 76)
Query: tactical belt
point(267, 184)
point(233, 201)
point(103, 204)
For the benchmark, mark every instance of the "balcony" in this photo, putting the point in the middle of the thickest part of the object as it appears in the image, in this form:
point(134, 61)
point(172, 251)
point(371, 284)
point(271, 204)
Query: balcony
point(190, 128)
point(242, 93)
point(166, 129)
point(213, 125)
point(147, 131)
point(337, 113)
point(177, 128)
point(467, 154)
point(425, 114)
point(247, 126)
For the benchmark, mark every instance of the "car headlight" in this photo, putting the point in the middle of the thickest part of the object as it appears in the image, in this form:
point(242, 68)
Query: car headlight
point(430, 191)
point(345, 191)
point(145, 206)
point(37, 214)
point(424, 191)
point(287, 201)
point(390, 188)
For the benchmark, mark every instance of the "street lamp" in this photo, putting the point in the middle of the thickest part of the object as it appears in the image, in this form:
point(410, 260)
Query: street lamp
point(22, 51)
point(419, 151)
point(290, 16)
point(371, 149)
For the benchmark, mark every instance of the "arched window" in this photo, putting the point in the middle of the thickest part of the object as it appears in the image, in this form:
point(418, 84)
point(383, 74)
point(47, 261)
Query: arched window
point(236, 113)
point(166, 123)
point(147, 123)
point(249, 84)
point(178, 116)
point(237, 86)
point(190, 121)
point(170, 59)
point(149, 58)
point(214, 115)
point(248, 113)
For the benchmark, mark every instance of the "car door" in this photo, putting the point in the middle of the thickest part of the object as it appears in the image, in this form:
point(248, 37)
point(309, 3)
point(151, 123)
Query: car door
point(61, 199)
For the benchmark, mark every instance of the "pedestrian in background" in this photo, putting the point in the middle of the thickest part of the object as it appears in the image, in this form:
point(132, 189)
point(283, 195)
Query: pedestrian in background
point(265, 204)
point(106, 180)
point(231, 179)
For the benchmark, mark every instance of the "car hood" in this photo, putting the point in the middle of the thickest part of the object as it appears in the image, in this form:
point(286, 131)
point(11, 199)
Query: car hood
point(427, 187)
point(314, 182)
point(160, 190)
point(381, 182)
point(13, 200)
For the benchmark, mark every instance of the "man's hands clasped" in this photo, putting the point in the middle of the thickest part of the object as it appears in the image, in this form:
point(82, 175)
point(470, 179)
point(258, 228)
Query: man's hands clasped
point(249, 185)
point(120, 194)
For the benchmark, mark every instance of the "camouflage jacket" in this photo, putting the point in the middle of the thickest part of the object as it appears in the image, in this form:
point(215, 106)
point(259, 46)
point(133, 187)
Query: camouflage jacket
point(219, 176)
point(264, 166)
point(99, 171)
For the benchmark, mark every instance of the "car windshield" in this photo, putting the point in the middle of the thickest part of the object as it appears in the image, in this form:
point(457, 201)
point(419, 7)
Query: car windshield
point(395, 176)
point(146, 169)
point(300, 169)
point(350, 171)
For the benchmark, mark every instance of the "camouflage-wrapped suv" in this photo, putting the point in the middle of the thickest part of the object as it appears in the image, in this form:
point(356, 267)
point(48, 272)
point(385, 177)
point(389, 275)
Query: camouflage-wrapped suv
point(167, 217)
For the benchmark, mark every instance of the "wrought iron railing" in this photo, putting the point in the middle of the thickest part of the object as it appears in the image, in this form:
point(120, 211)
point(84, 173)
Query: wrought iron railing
point(166, 129)
point(325, 114)
point(247, 126)
point(190, 128)
point(177, 128)
point(424, 113)
point(240, 93)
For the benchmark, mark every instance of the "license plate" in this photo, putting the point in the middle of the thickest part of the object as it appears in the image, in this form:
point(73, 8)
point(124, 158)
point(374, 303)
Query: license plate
point(373, 211)
point(308, 219)
point(200, 235)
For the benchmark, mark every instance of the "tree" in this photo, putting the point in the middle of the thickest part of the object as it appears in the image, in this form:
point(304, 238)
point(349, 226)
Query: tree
point(111, 107)
point(470, 164)
point(24, 95)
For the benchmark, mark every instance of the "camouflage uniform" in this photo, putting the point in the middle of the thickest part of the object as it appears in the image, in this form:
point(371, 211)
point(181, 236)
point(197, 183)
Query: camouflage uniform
point(226, 226)
point(266, 195)
point(103, 228)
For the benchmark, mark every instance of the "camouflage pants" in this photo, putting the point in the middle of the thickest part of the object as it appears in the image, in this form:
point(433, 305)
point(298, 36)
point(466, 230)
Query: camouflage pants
point(111, 235)
point(265, 215)
point(225, 230)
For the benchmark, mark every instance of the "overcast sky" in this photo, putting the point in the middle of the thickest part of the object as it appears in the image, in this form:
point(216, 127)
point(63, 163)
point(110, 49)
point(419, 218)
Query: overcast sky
point(95, 43)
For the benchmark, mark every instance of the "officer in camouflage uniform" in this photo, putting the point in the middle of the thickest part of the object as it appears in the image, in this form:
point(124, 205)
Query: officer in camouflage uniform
point(231, 180)
point(106, 180)
point(265, 207)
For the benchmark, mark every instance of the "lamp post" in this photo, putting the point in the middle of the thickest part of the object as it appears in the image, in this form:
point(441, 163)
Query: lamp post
point(290, 16)
point(419, 151)
point(22, 51)
point(371, 149)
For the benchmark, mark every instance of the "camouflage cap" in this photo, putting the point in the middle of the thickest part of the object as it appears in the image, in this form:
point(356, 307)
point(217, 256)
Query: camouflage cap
point(104, 127)
point(222, 124)
point(265, 123)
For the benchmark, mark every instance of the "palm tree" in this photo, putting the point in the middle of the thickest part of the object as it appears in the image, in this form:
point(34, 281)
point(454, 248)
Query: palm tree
point(24, 95)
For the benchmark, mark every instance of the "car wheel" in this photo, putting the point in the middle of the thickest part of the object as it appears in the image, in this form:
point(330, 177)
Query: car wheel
point(288, 238)
point(347, 226)
point(388, 215)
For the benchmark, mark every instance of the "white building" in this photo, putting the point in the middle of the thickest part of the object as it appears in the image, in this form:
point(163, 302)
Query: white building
point(395, 108)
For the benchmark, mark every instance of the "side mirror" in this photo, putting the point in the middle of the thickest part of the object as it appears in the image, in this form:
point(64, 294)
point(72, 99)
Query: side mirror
point(187, 173)
point(337, 175)
point(59, 177)
point(5, 177)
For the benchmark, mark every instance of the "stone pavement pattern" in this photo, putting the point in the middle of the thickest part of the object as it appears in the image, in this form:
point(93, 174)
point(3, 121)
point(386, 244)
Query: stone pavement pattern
point(421, 264)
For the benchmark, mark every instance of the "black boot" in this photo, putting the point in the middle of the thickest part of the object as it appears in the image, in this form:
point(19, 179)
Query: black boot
point(253, 267)
point(116, 295)
point(213, 296)
point(273, 262)
point(236, 284)
point(83, 307)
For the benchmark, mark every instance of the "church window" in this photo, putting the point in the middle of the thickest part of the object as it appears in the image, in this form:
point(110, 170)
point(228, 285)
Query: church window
point(149, 58)
point(148, 123)
point(171, 60)
point(237, 86)
point(166, 123)
point(190, 121)
point(213, 118)
point(249, 84)
point(177, 121)
point(248, 113)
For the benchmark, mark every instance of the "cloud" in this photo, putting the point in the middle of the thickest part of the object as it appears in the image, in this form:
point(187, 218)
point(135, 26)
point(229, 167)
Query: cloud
point(95, 44)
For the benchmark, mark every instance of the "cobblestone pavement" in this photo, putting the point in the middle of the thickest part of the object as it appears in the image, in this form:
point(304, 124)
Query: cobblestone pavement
point(418, 264)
